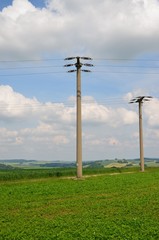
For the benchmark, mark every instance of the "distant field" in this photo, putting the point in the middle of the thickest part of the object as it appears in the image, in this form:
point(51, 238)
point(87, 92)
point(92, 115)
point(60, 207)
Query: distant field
point(107, 163)
point(120, 206)
point(17, 174)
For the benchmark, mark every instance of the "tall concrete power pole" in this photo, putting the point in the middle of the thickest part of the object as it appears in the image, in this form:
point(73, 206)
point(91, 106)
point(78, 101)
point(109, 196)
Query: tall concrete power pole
point(140, 101)
point(78, 66)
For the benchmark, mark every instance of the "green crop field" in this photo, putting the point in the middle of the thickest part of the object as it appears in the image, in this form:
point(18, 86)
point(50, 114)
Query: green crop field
point(120, 206)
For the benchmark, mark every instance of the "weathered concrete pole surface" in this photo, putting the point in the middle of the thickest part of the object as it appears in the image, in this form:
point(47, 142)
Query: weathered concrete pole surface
point(79, 121)
point(141, 138)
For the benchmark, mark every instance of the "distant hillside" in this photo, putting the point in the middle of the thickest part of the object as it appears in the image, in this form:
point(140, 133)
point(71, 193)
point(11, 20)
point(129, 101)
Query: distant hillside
point(147, 159)
point(16, 161)
point(107, 163)
point(5, 167)
point(150, 159)
point(58, 164)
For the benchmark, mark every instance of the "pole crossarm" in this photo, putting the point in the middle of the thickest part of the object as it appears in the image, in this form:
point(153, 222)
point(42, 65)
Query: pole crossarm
point(78, 65)
point(140, 99)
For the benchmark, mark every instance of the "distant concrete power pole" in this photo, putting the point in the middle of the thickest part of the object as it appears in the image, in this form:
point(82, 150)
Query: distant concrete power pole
point(140, 100)
point(78, 66)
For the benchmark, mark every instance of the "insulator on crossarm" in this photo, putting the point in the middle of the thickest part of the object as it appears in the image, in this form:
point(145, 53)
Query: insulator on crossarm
point(70, 71)
point(69, 58)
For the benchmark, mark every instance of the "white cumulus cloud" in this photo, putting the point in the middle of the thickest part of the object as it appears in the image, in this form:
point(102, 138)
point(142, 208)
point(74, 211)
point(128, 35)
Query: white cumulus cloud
point(100, 28)
point(41, 127)
point(151, 111)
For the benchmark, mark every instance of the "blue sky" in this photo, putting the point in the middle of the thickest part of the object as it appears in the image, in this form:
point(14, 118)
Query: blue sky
point(36, 3)
point(37, 95)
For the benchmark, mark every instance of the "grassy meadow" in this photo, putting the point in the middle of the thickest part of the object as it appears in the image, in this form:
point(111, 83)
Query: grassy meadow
point(111, 206)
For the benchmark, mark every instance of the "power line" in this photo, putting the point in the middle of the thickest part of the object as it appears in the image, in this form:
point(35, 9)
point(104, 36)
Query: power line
point(126, 59)
point(67, 103)
point(62, 72)
point(59, 66)
point(95, 59)
point(29, 67)
point(27, 74)
point(31, 60)
point(108, 71)
point(126, 66)
point(111, 72)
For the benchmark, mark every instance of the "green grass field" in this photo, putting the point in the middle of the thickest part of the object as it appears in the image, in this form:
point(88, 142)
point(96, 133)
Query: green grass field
point(19, 174)
point(120, 206)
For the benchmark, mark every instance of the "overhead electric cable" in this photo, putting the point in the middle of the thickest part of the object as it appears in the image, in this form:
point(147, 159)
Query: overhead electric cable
point(123, 66)
point(28, 67)
point(127, 72)
point(126, 59)
point(95, 59)
point(26, 74)
point(31, 60)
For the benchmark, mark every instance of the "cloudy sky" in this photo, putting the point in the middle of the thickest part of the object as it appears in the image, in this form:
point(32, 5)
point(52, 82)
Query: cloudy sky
point(37, 95)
